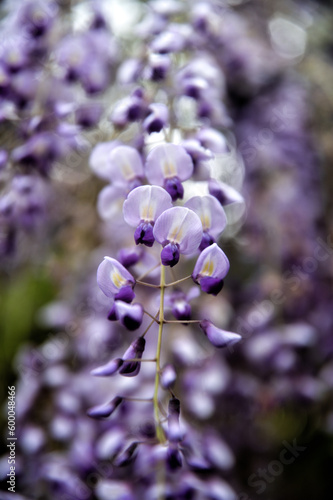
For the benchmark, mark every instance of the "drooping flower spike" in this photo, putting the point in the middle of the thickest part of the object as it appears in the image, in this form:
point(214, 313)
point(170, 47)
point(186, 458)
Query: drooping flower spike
point(212, 217)
point(179, 230)
point(218, 337)
point(115, 281)
point(142, 207)
point(168, 165)
point(210, 269)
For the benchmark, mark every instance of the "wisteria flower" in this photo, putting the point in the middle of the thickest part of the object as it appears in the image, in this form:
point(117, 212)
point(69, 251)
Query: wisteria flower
point(210, 269)
point(224, 193)
point(169, 165)
point(115, 281)
point(218, 337)
point(125, 166)
point(142, 207)
point(179, 230)
point(212, 217)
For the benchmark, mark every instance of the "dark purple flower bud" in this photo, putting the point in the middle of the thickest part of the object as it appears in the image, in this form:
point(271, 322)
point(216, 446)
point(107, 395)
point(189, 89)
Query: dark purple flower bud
point(129, 315)
point(175, 434)
point(135, 350)
point(223, 193)
point(210, 269)
point(126, 456)
point(126, 294)
point(168, 376)
point(218, 337)
point(129, 256)
point(112, 316)
point(174, 187)
point(144, 234)
point(170, 254)
point(88, 115)
point(129, 109)
point(38, 17)
point(206, 241)
point(174, 458)
point(108, 369)
point(104, 411)
point(157, 118)
point(158, 66)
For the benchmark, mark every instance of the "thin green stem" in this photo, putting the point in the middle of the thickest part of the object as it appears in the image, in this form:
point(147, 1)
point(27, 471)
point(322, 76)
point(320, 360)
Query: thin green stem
point(178, 281)
point(159, 429)
point(152, 317)
point(150, 325)
point(148, 272)
point(147, 284)
point(182, 321)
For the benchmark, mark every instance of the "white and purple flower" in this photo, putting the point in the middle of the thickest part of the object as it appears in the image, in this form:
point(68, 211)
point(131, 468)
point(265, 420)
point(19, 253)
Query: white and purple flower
point(141, 209)
point(168, 165)
point(179, 230)
point(210, 269)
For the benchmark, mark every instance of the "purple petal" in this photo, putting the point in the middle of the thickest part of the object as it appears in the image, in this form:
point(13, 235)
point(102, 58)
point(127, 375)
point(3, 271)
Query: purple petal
point(213, 140)
point(112, 276)
point(135, 350)
point(125, 165)
point(145, 203)
point(218, 337)
point(108, 200)
point(223, 193)
point(108, 369)
point(144, 234)
point(99, 159)
point(212, 263)
point(168, 376)
point(211, 213)
point(174, 187)
point(157, 118)
point(179, 225)
point(104, 411)
point(130, 315)
point(170, 255)
point(167, 161)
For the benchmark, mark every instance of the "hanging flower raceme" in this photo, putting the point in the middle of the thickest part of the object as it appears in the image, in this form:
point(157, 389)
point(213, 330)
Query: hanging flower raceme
point(179, 230)
point(212, 217)
point(210, 269)
point(115, 281)
point(142, 207)
point(169, 165)
point(218, 337)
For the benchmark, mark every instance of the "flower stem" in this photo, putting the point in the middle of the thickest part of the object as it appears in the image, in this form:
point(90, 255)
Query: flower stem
point(159, 429)
point(178, 281)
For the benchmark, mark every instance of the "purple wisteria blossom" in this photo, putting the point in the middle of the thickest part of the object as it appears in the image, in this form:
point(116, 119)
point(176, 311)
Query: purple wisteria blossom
point(142, 207)
point(179, 230)
point(212, 216)
point(115, 281)
point(210, 269)
point(169, 165)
